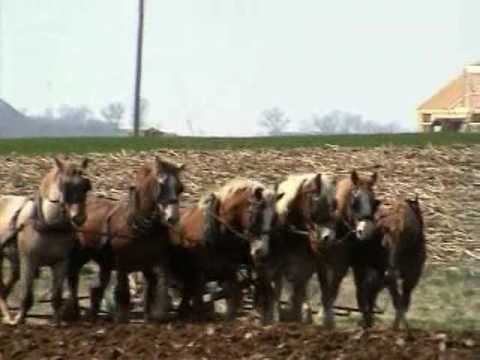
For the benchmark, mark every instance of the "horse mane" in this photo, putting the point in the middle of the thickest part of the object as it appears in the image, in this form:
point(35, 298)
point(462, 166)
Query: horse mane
point(290, 188)
point(344, 188)
point(293, 184)
point(167, 166)
point(230, 188)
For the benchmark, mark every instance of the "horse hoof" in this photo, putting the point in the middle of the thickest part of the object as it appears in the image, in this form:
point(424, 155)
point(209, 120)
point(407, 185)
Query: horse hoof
point(121, 319)
point(70, 311)
point(19, 320)
point(8, 321)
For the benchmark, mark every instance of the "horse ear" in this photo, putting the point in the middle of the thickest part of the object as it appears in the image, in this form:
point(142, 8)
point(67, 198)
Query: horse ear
point(354, 177)
point(59, 163)
point(373, 178)
point(258, 193)
point(85, 163)
point(318, 181)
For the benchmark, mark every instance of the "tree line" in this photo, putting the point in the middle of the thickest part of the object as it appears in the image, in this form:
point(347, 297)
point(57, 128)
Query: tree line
point(274, 121)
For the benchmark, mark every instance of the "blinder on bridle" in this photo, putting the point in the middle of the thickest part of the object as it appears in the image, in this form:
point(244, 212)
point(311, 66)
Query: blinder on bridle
point(357, 208)
point(166, 196)
point(75, 191)
point(322, 209)
point(255, 220)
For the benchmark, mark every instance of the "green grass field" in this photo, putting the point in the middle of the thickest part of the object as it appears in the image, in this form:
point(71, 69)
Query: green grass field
point(112, 144)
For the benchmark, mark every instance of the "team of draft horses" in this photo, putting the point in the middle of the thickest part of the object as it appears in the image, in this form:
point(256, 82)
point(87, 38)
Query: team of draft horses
point(306, 224)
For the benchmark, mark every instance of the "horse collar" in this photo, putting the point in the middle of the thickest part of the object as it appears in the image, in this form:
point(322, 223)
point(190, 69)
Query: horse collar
point(40, 223)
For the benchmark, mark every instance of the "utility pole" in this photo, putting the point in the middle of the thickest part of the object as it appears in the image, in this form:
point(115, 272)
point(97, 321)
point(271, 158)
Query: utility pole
point(138, 69)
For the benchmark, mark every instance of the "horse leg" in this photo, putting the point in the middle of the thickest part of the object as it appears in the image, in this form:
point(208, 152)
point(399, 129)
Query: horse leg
point(325, 276)
point(71, 310)
point(297, 299)
point(234, 298)
point(149, 293)
point(97, 291)
point(59, 273)
point(122, 298)
point(266, 299)
point(362, 292)
point(157, 299)
point(14, 274)
point(28, 273)
point(397, 301)
point(6, 319)
point(187, 295)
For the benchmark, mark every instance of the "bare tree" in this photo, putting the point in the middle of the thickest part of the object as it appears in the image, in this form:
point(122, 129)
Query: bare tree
point(76, 114)
point(325, 124)
point(113, 113)
point(340, 122)
point(274, 121)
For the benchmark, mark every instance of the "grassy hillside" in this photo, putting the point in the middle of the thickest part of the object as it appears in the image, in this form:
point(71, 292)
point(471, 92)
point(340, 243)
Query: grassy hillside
point(84, 145)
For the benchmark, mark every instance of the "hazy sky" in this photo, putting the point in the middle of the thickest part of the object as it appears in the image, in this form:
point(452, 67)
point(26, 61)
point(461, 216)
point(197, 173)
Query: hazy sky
point(221, 62)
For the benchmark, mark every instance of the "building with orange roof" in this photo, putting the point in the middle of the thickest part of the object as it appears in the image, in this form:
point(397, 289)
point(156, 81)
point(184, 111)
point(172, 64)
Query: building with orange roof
point(455, 107)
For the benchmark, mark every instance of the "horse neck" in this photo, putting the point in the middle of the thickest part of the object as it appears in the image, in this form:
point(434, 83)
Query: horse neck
point(192, 227)
point(228, 213)
point(344, 191)
point(147, 205)
point(295, 218)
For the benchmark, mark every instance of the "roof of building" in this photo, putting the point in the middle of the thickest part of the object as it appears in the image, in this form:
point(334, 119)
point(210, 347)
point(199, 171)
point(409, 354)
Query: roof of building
point(463, 91)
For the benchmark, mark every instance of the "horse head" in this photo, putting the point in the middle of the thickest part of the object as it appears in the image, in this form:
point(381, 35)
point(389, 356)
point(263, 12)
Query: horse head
point(157, 190)
point(66, 187)
point(247, 208)
point(361, 204)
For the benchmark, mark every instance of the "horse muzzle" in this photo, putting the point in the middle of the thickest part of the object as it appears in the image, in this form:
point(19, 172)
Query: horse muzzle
point(364, 229)
point(170, 214)
point(77, 215)
point(326, 235)
point(259, 248)
point(78, 220)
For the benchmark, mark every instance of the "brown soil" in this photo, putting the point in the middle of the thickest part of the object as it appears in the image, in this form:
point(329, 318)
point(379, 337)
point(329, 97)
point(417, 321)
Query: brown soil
point(229, 341)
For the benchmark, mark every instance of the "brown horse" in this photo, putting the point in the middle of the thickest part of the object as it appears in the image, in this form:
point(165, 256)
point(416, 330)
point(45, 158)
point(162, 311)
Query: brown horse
point(129, 236)
point(226, 229)
point(305, 206)
point(400, 230)
point(356, 206)
point(44, 229)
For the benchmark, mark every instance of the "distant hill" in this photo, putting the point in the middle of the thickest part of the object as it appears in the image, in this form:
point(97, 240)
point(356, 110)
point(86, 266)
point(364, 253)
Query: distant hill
point(14, 124)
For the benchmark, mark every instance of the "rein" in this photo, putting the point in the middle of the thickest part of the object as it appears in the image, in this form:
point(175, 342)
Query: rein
point(243, 236)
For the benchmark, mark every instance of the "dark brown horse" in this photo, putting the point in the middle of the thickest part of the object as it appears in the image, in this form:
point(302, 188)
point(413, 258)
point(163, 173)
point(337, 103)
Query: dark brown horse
point(399, 231)
point(129, 236)
point(356, 206)
point(44, 229)
point(226, 229)
point(306, 204)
